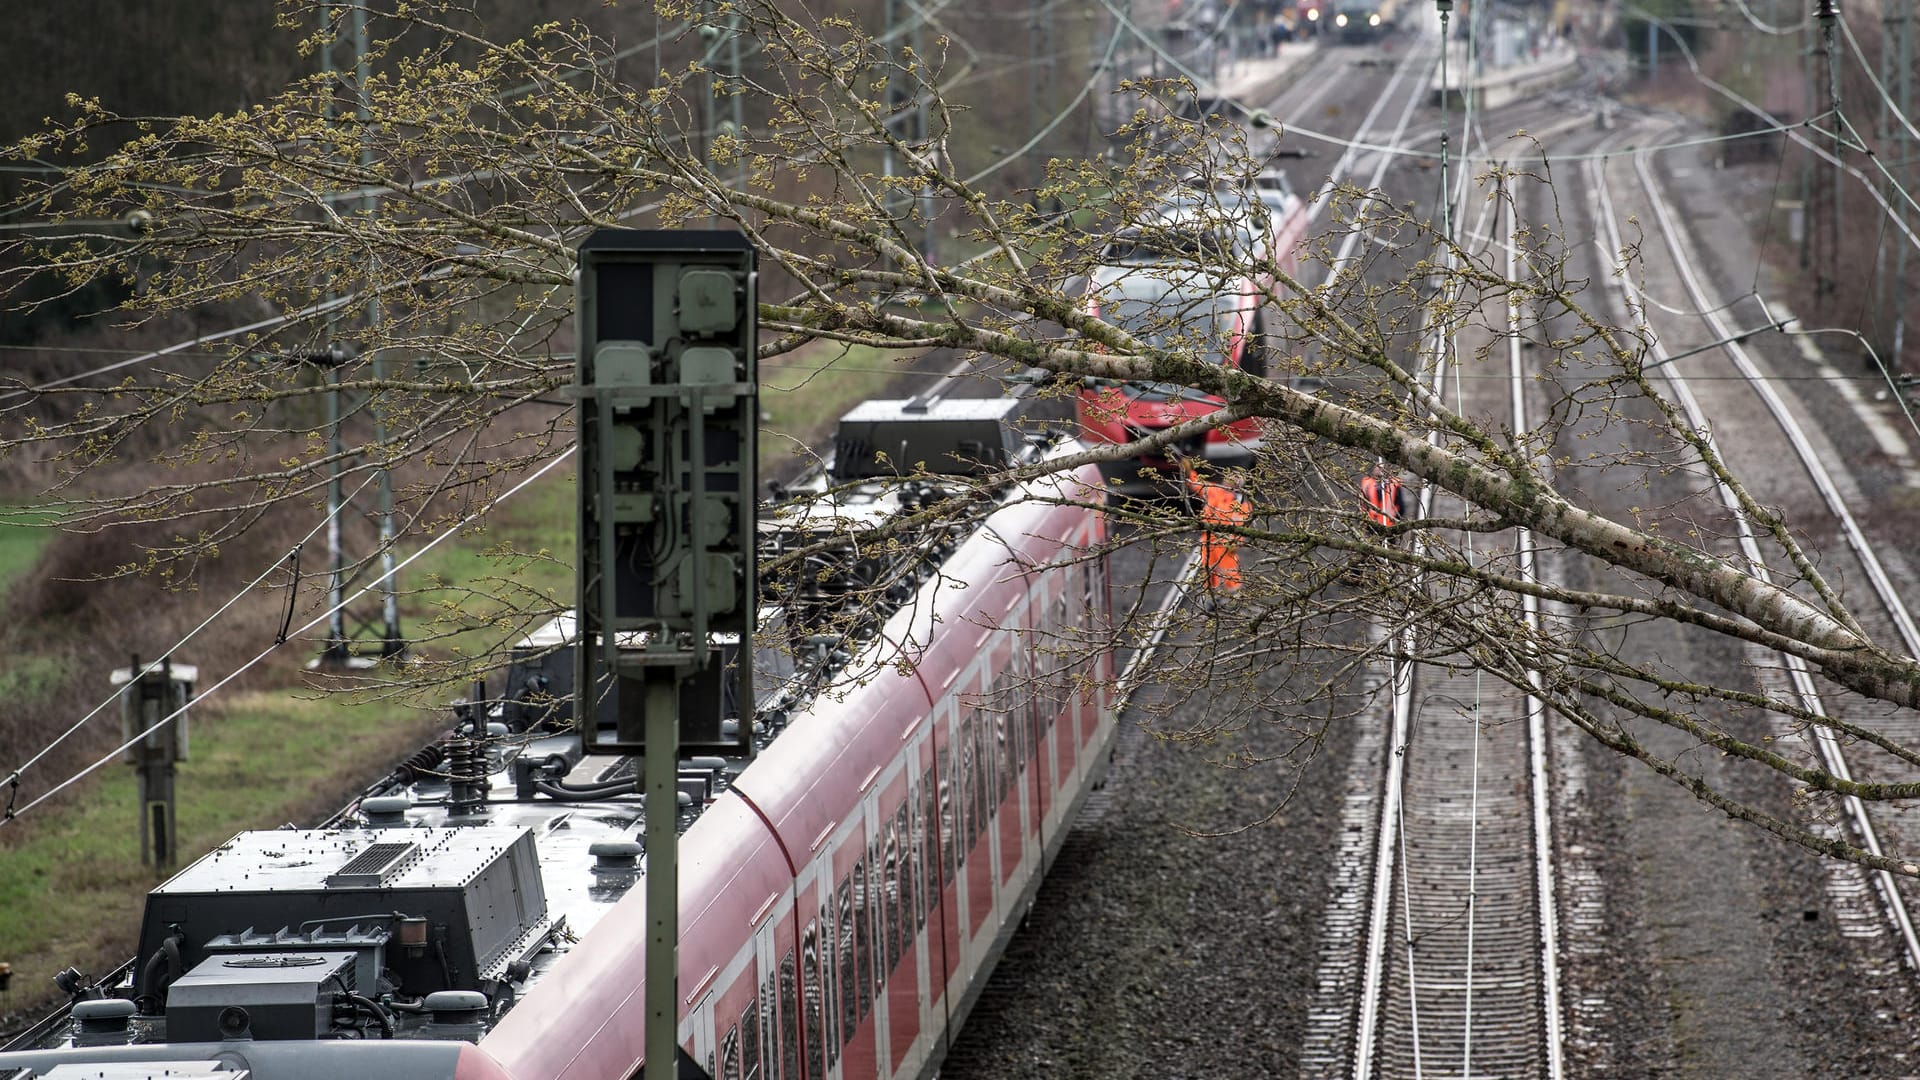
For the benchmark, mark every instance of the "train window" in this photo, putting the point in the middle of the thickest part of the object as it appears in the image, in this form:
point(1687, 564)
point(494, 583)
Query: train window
point(903, 830)
point(969, 789)
point(770, 1030)
point(862, 940)
point(810, 994)
point(730, 1055)
point(875, 971)
point(990, 766)
point(1102, 593)
point(789, 1021)
point(949, 843)
point(1012, 743)
point(849, 998)
point(989, 772)
point(1002, 759)
point(750, 1041)
point(1062, 681)
point(827, 1023)
point(890, 900)
point(1023, 705)
point(977, 786)
point(916, 899)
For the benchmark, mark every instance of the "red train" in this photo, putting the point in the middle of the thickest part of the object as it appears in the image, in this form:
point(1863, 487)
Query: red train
point(843, 898)
point(1196, 276)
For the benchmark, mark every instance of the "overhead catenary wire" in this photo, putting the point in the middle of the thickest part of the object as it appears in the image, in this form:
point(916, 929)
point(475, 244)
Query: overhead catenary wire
point(452, 530)
point(1873, 191)
point(1776, 126)
point(144, 357)
point(21, 769)
point(205, 339)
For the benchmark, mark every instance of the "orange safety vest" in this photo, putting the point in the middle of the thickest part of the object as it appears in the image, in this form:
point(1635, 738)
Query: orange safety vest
point(1218, 506)
point(1383, 499)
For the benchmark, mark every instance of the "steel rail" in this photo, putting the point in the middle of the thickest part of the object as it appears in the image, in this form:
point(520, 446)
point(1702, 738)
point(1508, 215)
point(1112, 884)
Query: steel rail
point(1389, 836)
point(1541, 794)
point(1386, 834)
point(1535, 816)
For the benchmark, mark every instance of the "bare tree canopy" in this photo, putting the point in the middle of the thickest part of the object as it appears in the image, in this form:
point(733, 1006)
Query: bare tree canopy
point(447, 193)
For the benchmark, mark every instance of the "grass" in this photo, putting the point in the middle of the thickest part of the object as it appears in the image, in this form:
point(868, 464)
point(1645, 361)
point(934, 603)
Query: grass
point(520, 556)
point(28, 678)
point(20, 544)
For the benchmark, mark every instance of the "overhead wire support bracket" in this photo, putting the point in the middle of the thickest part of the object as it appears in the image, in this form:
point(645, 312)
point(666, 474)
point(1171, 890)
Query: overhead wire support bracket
point(1731, 339)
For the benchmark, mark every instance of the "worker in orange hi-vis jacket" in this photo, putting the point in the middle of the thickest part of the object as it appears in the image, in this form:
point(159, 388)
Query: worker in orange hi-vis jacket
point(1220, 506)
point(1386, 502)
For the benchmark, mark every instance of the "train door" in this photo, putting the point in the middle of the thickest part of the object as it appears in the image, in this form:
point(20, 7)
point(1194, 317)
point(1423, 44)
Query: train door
point(977, 766)
point(696, 1034)
point(1009, 794)
point(775, 947)
point(767, 997)
point(1081, 608)
point(812, 993)
point(736, 1020)
point(923, 830)
point(875, 964)
point(1056, 681)
point(1034, 783)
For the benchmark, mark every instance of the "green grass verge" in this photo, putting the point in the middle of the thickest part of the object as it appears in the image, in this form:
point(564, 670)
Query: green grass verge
point(28, 678)
point(518, 557)
point(20, 544)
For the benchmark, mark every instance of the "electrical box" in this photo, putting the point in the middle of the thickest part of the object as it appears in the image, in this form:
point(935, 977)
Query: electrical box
point(666, 375)
point(163, 688)
point(949, 437)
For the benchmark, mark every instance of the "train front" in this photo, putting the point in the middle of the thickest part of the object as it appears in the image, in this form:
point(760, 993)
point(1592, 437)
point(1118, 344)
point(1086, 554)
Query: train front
point(1361, 20)
point(1209, 315)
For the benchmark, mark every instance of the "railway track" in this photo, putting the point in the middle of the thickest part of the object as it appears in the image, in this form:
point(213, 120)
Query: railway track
point(1873, 907)
point(1458, 971)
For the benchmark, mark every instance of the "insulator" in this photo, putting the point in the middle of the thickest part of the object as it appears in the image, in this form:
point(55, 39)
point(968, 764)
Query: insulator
point(466, 776)
point(421, 762)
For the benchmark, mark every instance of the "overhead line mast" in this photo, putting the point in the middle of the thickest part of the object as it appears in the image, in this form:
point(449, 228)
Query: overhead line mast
point(338, 652)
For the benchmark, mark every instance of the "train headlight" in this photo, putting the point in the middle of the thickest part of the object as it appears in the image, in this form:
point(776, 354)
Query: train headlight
point(1340, 19)
point(1374, 19)
point(1313, 14)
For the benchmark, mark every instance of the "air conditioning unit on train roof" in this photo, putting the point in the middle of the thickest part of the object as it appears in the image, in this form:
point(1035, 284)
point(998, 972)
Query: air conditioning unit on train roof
point(945, 437)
